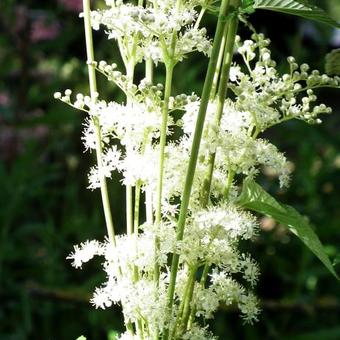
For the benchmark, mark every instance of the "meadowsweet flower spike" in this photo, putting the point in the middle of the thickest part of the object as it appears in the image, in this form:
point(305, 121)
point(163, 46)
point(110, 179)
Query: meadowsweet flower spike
point(132, 138)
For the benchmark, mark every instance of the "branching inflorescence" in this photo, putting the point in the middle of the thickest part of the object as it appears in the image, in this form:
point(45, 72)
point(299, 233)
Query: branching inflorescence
point(160, 301)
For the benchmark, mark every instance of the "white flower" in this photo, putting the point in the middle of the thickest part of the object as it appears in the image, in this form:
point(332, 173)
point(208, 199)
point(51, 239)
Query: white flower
point(250, 269)
point(127, 336)
point(101, 298)
point(250, 310)
point(85, 252)
point(198, 333)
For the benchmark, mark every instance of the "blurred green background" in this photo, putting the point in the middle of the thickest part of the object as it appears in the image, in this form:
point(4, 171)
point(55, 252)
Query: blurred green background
point(45, 207)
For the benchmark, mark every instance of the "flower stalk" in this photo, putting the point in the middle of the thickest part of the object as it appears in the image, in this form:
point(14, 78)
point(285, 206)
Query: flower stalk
point(94, 95)
point(195, 149)
point(230, 30)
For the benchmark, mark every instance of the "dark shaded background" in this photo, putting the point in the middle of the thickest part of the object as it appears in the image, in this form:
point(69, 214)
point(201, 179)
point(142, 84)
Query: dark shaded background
point(45, 207)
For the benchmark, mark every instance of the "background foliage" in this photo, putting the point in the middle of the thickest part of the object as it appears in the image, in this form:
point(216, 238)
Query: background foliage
point(46, 208)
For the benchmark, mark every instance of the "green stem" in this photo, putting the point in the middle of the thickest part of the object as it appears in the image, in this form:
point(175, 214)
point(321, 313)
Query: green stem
point(149, 70)
point(169, 68)
point(135, 235)
point(136, 213)
point(204, 274)
point(99, 149)
point(148, 193)
point(231, 29)
point(135, 228)
point(208, 180)
point(199, 18)
point(167, 92)
point(202, 284)
point(129, 210)
point(186, 299)
point(227, 59)
point(130, 70)
point(158, 217)
point(194, 151)
point(140, 330)
point(230, 178)
point(222, 92)
point(219, 63)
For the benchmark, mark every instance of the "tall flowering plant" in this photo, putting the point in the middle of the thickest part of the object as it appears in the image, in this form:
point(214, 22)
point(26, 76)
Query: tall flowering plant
point(174, 268)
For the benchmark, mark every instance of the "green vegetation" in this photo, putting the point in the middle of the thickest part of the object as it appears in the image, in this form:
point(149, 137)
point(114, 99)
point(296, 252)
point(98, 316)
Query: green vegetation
point(45, 206)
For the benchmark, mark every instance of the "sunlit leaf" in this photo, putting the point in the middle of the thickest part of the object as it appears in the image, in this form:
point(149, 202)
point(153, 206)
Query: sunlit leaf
point(297, 7)
point(332, 65)
point(248, 6)
point(255, 198)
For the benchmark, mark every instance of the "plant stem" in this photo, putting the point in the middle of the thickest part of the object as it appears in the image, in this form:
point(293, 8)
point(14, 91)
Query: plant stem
point(165, 110)
point(130, 70)
point(204, 276)
point(194, 151)
point(186, 299)
point(148, 193)
point(129, 212)
point(99, 150)
point(169, 68)
point(219, 62)
point(222, 91)
point(230, 178)
point(136, 218)
point(158, 217)
point(149, 70)
point(139, 324)
point(231, 30)
point(199, 18)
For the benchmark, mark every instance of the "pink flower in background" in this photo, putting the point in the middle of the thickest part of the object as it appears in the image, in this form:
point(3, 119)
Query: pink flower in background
point(72, 5)
point(42, 29)
point(4, 99)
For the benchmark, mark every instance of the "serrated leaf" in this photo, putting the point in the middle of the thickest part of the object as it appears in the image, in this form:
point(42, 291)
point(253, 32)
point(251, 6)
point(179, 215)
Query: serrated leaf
point(247, 6)
point(332, 65)
point(247, 3)
point(297, 7)
point(255, 198)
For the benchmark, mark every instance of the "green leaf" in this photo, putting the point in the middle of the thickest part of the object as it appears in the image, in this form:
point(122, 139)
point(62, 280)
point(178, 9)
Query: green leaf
point(247, 3)
point(247, 6)
point(297, 7)
point(81, 337)
point(332, 66)
point(255, 198)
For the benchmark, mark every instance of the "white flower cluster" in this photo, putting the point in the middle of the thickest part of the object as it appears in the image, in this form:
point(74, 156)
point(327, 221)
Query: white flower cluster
point(153, 27)
point(211, 268)
point(210, 239)
point(236, 149)
point(272, 98)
